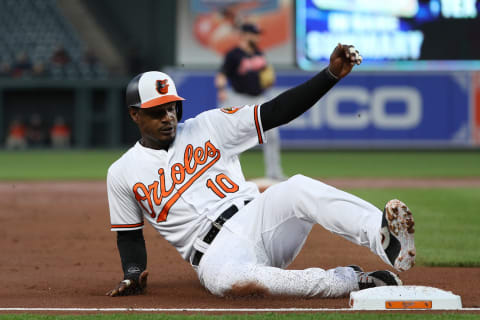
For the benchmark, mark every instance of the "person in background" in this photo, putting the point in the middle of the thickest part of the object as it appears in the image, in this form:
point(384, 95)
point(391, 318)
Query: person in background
point(17, 135)
point(36, 132)
point(60, 56)
point(249, 74)
point(39, 70)
point(5, 70)
point(60, 134)
point(22, 66)
point(90, 58)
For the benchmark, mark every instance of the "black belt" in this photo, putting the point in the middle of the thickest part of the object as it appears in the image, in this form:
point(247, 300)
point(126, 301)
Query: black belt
point(214, 230)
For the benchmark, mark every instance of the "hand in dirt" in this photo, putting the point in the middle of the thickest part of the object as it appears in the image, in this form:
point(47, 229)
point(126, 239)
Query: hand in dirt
point(342, 60)
point(130, 287)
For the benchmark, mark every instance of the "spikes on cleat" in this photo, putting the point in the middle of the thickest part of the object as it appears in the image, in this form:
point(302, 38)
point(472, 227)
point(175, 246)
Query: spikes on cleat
point(397, 233)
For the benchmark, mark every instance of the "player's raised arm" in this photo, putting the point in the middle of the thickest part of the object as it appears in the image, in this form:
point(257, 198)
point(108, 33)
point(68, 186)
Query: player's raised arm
point(133, 254)
point(293, 102)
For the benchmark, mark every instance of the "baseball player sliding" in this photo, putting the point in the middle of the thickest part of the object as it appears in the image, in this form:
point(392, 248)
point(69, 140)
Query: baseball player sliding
point(186, 181)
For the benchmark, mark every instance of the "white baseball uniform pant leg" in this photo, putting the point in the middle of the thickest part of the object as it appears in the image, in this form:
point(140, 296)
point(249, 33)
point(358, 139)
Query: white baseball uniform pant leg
point(251, 250)
point(271, 155)
point(272, 146)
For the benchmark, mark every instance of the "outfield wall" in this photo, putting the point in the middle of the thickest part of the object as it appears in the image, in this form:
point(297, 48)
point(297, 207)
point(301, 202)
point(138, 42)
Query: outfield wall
point(365, 110)
point(369, 110)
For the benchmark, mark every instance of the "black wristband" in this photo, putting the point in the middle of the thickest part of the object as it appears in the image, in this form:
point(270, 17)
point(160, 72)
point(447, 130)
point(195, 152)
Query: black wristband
point(133, 254)
point(133, 272)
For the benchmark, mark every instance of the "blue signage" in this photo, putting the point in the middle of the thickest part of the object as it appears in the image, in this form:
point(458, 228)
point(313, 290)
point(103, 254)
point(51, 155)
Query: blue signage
point(363, 110)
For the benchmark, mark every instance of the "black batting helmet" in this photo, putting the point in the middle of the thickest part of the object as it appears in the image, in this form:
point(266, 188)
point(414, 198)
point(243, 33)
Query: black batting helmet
point(151, 89)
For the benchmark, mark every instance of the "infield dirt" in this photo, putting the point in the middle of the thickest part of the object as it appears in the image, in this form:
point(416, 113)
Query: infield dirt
point(57, 251)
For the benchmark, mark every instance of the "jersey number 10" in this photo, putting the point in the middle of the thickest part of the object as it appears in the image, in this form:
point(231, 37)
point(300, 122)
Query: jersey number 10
point(222, 185)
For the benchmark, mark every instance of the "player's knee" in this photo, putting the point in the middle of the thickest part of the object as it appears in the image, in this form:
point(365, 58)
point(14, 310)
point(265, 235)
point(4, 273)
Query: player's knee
point(301, 182)
point(298, 183)
point(297, 178)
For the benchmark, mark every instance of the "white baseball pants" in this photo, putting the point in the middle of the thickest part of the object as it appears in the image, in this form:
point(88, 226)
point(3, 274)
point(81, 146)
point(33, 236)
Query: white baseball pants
point(253, 247)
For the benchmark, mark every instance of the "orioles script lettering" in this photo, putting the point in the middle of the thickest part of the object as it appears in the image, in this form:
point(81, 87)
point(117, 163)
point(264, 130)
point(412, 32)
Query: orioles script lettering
point(196, 161)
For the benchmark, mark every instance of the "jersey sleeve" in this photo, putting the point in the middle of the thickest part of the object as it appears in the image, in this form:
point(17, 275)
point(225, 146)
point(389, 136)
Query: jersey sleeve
point(236, 128)
point(124, 212)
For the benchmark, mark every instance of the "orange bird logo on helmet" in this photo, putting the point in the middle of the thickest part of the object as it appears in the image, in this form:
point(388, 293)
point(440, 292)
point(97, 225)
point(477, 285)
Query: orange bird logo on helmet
point(162, 86)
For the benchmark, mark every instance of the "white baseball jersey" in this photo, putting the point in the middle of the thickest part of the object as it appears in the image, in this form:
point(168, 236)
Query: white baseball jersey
point(180, 191)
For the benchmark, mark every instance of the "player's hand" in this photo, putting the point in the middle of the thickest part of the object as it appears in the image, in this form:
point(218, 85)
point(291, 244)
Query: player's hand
point(130, 287)
point(342, 60)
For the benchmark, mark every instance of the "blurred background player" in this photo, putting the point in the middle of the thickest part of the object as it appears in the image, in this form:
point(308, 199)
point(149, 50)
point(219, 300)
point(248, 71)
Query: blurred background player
point(60, 134)
point(249, 74)
point(17, 135)
point(37, 133)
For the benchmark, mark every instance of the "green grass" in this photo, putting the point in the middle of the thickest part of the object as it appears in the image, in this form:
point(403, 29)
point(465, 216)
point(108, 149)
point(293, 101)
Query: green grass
point(58, 165)
point(262, 316)
point(447, 219)
point(447, 222)
point(428, 164)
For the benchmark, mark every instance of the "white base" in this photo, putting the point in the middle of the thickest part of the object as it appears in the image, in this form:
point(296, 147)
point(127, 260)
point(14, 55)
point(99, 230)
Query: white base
point(404, 297)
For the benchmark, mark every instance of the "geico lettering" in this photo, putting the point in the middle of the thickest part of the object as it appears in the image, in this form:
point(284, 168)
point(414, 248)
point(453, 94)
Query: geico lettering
point(371, 109)
point(337, 120)
point(407, 120)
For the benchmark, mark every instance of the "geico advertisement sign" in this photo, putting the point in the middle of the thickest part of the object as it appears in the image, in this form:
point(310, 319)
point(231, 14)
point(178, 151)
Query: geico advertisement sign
point(371, 111)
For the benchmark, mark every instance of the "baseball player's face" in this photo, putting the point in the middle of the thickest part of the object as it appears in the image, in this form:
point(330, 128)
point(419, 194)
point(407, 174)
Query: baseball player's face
point(158, 125)
point(252, 39)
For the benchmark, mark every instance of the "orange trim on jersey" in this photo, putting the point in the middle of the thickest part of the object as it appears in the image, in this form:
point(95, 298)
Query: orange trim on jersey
point(161, 100)
point(257, 125)
point(163, 214)
point(230, 110)
point(115, 226)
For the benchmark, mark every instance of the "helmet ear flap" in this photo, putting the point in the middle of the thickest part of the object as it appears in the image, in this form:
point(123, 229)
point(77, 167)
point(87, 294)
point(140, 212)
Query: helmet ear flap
point(179, 108)
point(132, 95)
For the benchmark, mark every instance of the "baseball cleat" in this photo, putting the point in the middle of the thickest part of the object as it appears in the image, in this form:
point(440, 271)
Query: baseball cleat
point(375, 278)
point(398, 235)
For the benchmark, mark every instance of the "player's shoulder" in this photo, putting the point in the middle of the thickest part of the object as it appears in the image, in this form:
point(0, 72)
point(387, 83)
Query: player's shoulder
point(210, 119)
point(123, 163)
point(200, 118)
point(219, 112)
